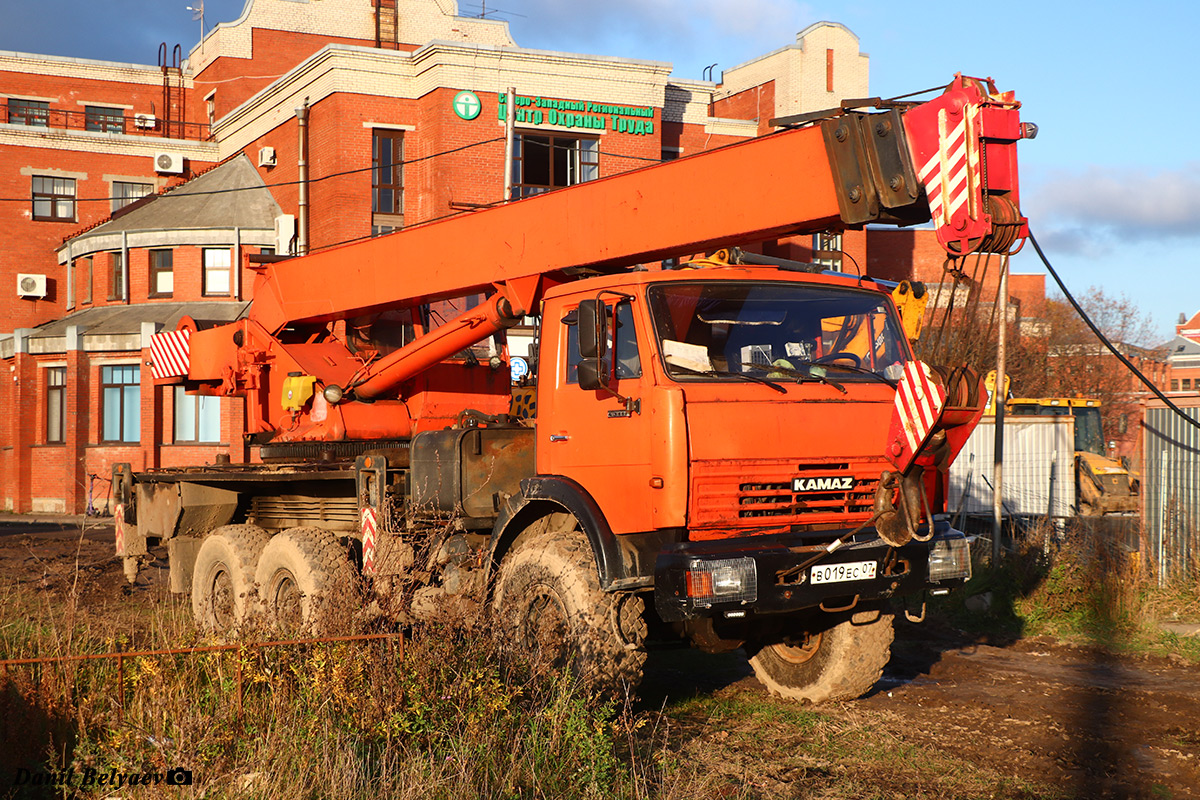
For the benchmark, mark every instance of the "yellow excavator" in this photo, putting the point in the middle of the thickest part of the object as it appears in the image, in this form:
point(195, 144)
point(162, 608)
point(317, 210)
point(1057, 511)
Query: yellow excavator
point(1102, 484)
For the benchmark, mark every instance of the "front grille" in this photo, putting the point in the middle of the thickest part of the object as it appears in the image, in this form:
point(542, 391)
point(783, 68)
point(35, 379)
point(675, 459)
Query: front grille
point(764, 493)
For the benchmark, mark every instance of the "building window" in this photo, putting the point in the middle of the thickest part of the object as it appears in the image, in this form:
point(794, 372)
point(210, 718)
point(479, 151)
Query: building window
point(543, 163)
point(197, 418)
point(56, 405)
point(116, 276)
point(1174, 385)
point(85, 279)
point(387, 181)
point(100, 118)
point(162, 273)
point(1187, 384)
point(124, 193)
point(28, 112)
point(217, 271)
point(53, 198)
point(210, 108)
point(120, 404)
point(827, 250)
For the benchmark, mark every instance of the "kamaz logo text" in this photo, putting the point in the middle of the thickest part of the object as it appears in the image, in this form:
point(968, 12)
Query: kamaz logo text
point(831, 484)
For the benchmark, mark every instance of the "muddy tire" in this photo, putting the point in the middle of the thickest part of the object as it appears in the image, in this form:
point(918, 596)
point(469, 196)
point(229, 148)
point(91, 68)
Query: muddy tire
point(223, 595)
point(840, 663)
point(549, 604)
point(306, 584)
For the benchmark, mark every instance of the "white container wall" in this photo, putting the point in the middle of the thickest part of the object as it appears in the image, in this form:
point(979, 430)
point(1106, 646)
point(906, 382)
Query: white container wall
point(1039, 468)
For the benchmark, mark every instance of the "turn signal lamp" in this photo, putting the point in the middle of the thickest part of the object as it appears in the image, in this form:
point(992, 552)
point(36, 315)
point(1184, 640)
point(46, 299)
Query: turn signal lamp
point(722, 580)
point(950, 559)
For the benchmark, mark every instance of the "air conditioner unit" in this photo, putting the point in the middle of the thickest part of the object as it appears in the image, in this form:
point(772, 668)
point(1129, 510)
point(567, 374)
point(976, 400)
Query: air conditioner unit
point(168, 163)
point(285, 232)
point(146, 122)
point(31, 285)
point(266, 157)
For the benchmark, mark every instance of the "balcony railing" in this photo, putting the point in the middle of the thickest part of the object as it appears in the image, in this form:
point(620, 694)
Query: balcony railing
point(133, 125)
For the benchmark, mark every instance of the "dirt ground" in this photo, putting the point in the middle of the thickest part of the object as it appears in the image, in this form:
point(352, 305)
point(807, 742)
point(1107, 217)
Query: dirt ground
point(1080, 719)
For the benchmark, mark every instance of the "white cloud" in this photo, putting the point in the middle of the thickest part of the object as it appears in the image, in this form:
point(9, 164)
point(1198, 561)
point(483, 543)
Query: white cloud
point(1089, 211)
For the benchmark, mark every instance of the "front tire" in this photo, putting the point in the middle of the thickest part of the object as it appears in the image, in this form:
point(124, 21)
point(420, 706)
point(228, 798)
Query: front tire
point(306, 583)
point(223, 577)
point(841, 662)
point(549, 601)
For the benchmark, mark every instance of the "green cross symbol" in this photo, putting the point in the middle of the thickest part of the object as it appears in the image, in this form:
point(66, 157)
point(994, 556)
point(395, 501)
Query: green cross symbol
point(467, 105)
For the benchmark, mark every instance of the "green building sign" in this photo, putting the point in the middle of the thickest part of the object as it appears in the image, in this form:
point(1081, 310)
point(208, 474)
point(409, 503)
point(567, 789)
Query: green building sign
point(579, 114)
point(466, 105)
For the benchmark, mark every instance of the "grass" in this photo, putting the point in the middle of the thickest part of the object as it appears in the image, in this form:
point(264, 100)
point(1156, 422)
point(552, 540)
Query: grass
point(456, 716)
point(1080, 585)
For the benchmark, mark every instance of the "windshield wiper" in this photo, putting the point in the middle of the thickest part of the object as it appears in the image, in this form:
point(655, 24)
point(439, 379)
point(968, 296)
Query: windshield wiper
point(727, 374)
point(860, 371)
point(812, 373)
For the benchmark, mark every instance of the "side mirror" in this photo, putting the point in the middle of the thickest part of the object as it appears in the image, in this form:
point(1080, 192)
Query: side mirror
point(593, 374)
point(593, 329)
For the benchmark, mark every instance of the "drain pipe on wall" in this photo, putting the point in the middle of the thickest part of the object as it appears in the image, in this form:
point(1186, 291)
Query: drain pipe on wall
point(302, 176)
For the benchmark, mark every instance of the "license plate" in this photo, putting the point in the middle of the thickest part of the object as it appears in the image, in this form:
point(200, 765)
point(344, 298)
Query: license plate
point(838, 573)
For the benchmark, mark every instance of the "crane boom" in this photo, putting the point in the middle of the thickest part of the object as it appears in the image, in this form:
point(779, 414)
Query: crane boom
point(848, 170)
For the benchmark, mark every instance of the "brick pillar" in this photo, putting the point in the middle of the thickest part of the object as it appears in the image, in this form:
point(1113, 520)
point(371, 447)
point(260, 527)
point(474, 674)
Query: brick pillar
point(24, 416)
point(78, 423)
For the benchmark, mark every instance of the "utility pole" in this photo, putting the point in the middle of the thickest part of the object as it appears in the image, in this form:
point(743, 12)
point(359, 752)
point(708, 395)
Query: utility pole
point(510, 117)
point(998, 394)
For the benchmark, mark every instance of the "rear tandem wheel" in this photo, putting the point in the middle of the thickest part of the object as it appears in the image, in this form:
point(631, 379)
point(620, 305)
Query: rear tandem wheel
point(223, 577)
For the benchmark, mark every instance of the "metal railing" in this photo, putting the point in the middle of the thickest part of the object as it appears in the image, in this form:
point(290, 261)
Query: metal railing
point(121, 655)
point(135, 125)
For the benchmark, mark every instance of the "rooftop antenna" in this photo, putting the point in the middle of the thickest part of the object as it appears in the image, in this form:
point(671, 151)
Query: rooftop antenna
point(198, 14)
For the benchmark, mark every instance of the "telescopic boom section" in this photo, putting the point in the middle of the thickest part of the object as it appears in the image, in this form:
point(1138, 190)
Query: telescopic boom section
point(848, 171)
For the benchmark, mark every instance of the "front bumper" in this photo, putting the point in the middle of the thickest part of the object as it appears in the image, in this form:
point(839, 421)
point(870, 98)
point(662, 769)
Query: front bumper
point(731, 578)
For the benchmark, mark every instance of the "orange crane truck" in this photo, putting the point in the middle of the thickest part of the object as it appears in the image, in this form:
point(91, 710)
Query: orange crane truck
point(738, 452)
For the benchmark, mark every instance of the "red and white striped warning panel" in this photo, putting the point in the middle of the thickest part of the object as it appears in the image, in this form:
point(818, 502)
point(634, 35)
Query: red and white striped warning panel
point(119, 526)
point(918, 407)
point(171, 354)
point(368, 540)
point(951, 174)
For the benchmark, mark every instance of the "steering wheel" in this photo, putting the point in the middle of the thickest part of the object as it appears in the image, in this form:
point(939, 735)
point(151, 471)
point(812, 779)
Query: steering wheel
point(840, 355)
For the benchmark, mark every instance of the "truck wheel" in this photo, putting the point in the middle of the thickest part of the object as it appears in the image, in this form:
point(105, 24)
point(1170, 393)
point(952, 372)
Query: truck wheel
point(223, 577)
point(839, 663)
point(548, 600)
point(305, 582)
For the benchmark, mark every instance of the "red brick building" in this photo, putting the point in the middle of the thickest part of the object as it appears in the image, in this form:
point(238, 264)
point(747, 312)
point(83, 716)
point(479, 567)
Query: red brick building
point(135, 196)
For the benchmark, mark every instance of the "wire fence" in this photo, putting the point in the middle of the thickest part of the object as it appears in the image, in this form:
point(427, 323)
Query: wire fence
point(122, 657)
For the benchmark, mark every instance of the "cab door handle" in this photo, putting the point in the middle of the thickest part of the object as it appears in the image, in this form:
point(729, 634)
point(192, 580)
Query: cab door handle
point(559, 437)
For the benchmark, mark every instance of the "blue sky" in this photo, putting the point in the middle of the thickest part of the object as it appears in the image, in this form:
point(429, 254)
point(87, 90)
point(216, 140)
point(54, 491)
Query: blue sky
point(1111, 185)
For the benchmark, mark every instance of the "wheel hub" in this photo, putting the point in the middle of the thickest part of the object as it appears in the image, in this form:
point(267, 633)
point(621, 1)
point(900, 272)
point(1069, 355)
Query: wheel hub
point(800, 649)
point(221, 597)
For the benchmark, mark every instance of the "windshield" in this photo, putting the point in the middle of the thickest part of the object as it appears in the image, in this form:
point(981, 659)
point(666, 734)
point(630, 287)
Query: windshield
point(775, 330)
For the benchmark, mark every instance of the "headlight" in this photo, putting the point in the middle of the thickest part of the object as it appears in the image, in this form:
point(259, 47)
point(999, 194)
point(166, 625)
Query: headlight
point(950, 559)
point(722, 580)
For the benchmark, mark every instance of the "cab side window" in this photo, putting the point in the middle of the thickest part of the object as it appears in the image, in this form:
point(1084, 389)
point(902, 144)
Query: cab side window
point(625, 350)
